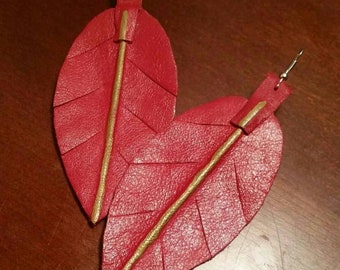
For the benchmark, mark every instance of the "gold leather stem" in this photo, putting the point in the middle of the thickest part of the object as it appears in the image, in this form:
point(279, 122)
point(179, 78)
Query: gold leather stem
point(197, 180)
point(111, 120)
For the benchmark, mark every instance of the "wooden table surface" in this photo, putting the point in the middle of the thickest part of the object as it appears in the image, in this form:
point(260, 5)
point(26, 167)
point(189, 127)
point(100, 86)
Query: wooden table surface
point(222, 48)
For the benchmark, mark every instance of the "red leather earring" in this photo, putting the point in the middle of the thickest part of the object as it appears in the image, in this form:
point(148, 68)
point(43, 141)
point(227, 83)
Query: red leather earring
point(191, 189)
point(176, 191)
point(118, 84)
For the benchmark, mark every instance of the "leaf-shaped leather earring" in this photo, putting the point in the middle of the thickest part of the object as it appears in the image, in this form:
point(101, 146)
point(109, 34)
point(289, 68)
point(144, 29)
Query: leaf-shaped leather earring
point(190, 190)
point(118, 84)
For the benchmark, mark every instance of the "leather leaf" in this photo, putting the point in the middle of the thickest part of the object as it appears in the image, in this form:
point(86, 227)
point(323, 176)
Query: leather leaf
point(214, 214)
point(84, 92)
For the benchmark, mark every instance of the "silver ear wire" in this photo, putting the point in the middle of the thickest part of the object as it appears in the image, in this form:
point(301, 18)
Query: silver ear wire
point(284, 75)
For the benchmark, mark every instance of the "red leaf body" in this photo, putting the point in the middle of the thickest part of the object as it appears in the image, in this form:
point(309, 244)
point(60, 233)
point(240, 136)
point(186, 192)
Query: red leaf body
point(83, 96)
point(217, 211)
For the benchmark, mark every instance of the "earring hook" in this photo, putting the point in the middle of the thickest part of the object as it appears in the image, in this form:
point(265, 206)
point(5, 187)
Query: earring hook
point(284, 75)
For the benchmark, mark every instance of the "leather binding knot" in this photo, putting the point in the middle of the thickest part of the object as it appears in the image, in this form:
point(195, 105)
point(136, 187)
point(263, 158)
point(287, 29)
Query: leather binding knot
point(264, 94)
point(132, 7)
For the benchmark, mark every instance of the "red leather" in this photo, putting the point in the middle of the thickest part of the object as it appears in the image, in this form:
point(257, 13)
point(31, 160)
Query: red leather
point(265, 92)
point(218, 210)
point(133, 7)
point(83, 96)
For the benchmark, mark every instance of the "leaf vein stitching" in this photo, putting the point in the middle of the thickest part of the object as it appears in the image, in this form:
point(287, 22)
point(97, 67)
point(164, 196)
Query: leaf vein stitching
point(86, 140)
point(79, 97)
point(149, 77)
point(203, 124)
point(140, 119)
point(162, 253)
point(133, 214)
point(124, 158)
point(239, 192)
point(203, 230)
point(90, 49)
point(165, 163)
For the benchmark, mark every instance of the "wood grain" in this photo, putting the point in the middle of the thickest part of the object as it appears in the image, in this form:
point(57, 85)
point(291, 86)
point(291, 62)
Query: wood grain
point(222, 48)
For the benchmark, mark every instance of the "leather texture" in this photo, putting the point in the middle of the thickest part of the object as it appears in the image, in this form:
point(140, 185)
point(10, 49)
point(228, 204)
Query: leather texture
point(265, 92)
point(133, 7)
point(83, 96)
point(217, 211)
